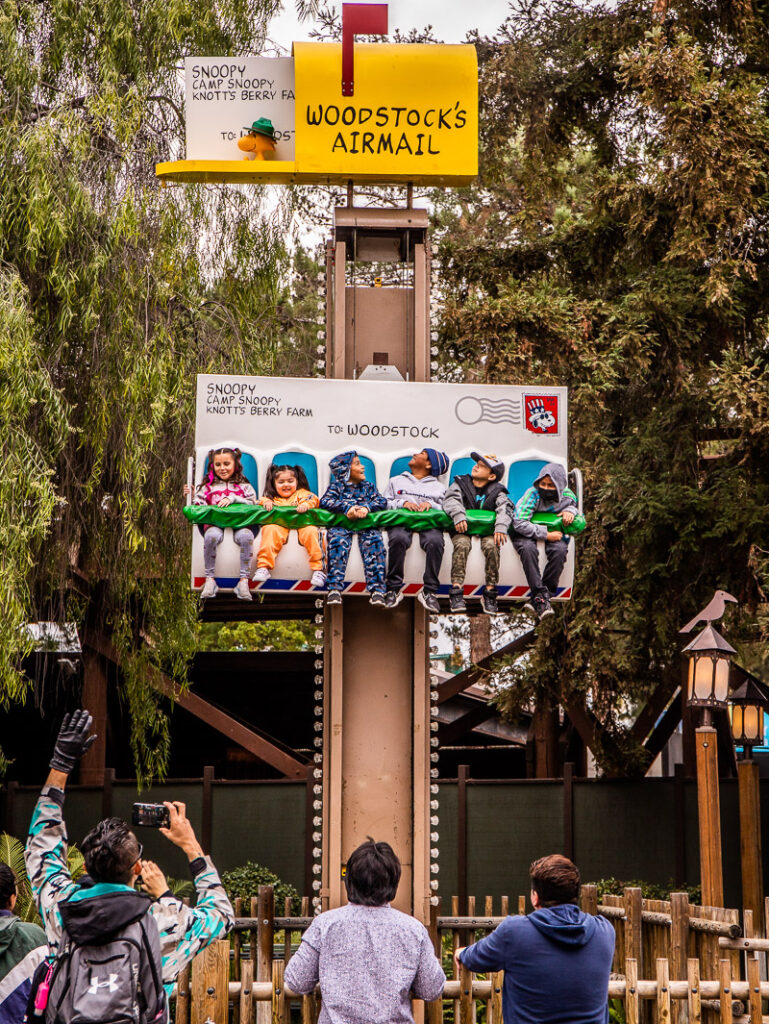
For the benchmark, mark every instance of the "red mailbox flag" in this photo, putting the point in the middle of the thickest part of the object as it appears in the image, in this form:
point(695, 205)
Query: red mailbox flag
point(359, 20)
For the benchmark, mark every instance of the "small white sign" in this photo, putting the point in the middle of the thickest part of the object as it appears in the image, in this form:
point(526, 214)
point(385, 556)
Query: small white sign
point(225, 95)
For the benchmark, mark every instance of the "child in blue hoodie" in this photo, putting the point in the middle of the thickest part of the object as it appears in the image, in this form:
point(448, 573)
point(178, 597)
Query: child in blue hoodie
point(351, 494)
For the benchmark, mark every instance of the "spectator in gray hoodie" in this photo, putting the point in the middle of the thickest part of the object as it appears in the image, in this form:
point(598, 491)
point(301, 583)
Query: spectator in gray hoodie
point(367, 956)
point(417, 490)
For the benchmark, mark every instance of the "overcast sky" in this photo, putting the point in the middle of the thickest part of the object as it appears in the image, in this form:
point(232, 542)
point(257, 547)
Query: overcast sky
point(451, 19)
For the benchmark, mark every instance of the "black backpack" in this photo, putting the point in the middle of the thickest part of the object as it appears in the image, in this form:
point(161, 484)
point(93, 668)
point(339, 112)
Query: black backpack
point(110, 979)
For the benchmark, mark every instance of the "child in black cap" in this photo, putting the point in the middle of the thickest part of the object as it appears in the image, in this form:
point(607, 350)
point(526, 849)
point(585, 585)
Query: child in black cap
point(481, 488)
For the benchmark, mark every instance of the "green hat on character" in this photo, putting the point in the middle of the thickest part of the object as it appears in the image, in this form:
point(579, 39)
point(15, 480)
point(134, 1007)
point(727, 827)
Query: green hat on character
point(263, 126)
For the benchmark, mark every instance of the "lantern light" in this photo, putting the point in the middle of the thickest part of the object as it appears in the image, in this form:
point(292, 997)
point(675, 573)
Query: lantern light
point(747, 705)
point(709, 656)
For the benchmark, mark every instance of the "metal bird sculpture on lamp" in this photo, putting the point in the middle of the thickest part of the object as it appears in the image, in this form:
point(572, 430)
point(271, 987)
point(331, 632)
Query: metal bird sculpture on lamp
point(712, 611)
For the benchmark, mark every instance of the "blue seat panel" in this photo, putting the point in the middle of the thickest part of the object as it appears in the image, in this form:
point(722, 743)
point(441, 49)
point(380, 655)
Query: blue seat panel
point(522, 475)
point(460, 467)
point(304, 461)
point(400, 465)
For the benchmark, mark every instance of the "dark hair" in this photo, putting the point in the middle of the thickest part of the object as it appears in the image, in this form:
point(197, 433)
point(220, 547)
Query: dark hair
point(110, 850)
point(269, 480)
point(373, 873)
point(7, 886)
point(208, 470)
point(555, 879)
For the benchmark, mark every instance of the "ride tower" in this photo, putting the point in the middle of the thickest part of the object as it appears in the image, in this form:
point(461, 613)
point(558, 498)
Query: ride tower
point(353, 114)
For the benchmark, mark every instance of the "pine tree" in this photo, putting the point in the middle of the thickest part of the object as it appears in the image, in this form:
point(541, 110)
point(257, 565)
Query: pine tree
point(616, 242)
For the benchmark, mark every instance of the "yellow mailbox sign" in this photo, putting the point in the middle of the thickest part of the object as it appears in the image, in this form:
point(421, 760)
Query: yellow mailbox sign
point(413, 118)
point(414, 115)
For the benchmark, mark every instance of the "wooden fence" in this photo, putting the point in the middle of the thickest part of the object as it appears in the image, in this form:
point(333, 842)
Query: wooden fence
point(673, 962)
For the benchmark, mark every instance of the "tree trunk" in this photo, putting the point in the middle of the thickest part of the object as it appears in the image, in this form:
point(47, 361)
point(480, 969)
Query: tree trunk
point(480, 637)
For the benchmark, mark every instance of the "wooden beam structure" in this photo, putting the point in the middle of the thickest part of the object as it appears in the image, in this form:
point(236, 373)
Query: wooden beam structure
point(258, 743)
point(451, 731)
point(462, 680)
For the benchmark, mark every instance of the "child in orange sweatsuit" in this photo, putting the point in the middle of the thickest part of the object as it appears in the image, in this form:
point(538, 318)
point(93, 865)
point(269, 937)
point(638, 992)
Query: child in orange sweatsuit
point(287, 486)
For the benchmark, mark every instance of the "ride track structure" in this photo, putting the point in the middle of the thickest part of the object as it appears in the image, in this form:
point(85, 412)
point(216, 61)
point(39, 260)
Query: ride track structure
point(374, 769)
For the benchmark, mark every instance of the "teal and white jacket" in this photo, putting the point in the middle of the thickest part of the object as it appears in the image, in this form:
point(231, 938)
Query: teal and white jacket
point(184, 931)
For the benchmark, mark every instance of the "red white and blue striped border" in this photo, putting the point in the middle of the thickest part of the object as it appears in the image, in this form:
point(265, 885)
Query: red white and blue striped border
point(359, 588)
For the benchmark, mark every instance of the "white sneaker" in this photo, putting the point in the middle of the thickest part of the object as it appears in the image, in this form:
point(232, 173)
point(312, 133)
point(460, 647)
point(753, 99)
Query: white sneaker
point(241, 591)
point(318, 578)
point(210, 588)
point(261, 576)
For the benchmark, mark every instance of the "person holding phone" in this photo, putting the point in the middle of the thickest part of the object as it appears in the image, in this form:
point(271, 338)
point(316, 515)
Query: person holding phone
point(114, 864)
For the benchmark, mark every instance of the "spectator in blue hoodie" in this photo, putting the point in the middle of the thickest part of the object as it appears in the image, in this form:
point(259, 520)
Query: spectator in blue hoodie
point(556, 960)
point(353, 496)
point(417, 490)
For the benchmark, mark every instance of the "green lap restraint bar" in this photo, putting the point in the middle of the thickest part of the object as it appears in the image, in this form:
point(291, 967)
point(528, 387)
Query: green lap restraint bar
point(480, 523)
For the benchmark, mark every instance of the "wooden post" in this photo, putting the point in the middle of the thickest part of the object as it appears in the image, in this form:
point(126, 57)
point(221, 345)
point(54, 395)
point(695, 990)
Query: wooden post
point(265, 933)
point(711, 871)
point(679, 942)
point(725, 991)
point(694, 998)
point(465, 995)
point(210, 983)
point(246, 1000)
point(497, 980)
point(633, 922)
point(279, 1002)
point(182, 1015)
point(663, 991)
point(632, 999)
point(754, 990)
point(434, 1009)
point(750, 838)
point(588, 899)
point(462, 773)
point(237, 940)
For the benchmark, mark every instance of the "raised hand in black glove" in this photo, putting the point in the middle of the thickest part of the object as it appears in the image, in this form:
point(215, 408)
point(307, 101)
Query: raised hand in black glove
point(73, 741)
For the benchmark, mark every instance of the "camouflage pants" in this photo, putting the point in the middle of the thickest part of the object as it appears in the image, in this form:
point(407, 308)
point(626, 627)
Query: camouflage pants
point(462, 543)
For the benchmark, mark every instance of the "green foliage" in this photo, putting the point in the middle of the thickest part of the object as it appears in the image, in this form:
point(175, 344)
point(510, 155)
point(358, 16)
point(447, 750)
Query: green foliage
point(616, 243)
point(243, 882)
point(12, 854)
point(182, 888)
point(269, 635)
point(649, 890)
point(113, 295)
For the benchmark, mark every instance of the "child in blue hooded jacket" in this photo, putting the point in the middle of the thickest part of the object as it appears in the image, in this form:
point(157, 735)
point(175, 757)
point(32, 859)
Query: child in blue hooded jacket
point(352, 495)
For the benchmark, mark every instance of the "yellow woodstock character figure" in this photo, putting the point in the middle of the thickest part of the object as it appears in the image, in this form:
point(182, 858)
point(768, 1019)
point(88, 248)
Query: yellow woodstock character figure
point(260, 139)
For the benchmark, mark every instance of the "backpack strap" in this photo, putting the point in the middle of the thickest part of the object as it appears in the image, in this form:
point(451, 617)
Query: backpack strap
point(157, 980)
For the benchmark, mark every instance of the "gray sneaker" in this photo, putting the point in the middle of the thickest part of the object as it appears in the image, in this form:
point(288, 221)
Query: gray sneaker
point(428, 600)
point(241, 591)
point(542, 607)
point(393, 598)
point(333, 597)
point(377, 598)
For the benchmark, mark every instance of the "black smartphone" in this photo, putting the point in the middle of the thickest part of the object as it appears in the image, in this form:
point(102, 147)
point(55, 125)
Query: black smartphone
point(151, 815)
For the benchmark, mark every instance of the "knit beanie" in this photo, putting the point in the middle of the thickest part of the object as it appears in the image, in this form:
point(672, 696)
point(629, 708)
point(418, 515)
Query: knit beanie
point(439, 461)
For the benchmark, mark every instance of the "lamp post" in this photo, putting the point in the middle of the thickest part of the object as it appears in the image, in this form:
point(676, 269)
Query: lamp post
point(747, 705)
point(708, 688)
